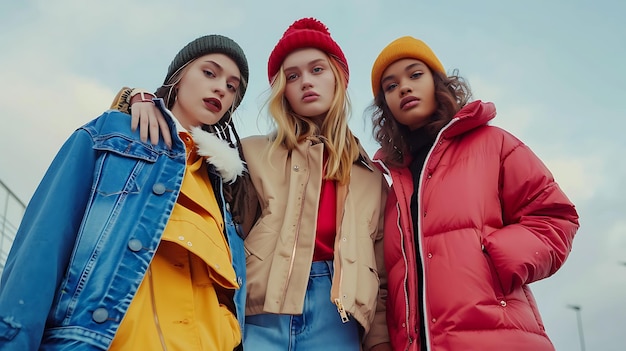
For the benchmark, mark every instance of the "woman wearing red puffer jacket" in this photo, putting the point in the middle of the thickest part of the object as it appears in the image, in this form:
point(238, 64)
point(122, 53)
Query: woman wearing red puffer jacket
point(472, 218)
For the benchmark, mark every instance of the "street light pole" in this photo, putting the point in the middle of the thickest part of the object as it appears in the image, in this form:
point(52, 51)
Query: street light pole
point(577, 308)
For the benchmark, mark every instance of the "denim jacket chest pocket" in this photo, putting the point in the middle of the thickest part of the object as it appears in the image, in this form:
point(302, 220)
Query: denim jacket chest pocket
point(134, 190)
point(121, 160)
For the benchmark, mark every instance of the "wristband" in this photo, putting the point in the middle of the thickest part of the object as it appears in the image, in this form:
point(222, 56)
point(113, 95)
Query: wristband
point(140, 95)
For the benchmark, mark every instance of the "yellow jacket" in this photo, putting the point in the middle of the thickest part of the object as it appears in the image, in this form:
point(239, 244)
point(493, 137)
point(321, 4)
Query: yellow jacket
point(280, 219)
point(181, 304)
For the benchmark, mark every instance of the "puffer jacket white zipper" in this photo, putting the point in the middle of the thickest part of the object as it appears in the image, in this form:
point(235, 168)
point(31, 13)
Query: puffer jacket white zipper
point(420, 233)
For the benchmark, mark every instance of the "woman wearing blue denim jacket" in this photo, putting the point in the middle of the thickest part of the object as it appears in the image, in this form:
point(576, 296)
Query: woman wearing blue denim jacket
point(127, 245)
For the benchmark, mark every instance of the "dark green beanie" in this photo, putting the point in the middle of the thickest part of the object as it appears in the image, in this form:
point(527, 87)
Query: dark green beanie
point(210, 44)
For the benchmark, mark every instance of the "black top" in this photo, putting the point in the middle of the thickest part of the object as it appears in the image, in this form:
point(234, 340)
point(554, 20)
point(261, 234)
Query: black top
point(420, 142)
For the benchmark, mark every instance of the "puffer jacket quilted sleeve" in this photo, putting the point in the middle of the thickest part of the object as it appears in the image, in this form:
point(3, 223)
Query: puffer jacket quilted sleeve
point(539, 220)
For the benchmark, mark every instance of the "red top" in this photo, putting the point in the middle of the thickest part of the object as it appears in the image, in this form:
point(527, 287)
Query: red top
point(326, 221)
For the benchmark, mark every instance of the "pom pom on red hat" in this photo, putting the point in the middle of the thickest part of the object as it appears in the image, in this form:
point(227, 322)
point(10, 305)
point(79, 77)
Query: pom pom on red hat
point(308, 23)
point(305, 33)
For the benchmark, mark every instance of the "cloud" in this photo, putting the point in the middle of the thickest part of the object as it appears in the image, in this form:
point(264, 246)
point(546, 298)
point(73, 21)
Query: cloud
point(55, 58)
point(615, 243)
point(45, 105)
point(63, 61)
point(579, 177)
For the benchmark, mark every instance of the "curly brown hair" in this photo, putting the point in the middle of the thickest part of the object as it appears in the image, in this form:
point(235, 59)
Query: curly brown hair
point(451, 93)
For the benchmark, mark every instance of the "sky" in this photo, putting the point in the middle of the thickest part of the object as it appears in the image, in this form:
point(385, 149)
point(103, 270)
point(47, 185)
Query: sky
point(554, 69)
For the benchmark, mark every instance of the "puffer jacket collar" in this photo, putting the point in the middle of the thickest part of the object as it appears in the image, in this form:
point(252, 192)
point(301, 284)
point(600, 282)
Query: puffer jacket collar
point(471, 116)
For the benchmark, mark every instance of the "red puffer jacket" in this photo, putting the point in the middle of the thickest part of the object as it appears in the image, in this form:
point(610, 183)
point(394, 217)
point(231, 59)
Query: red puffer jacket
point(492, 221)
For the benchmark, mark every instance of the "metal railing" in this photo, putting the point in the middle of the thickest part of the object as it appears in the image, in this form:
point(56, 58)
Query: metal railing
point(11, 213)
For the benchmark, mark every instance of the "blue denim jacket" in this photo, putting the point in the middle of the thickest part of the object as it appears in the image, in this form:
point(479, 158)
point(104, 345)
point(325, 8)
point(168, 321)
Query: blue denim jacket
point(89, 234)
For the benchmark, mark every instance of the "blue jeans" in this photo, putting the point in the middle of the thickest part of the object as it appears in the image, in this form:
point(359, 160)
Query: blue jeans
point(319, 327)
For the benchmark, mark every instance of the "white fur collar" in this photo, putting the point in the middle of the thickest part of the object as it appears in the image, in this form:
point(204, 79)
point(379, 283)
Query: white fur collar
point(218, 153)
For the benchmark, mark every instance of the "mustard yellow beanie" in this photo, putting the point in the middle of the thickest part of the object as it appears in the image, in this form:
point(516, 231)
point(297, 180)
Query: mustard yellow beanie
point(403, 47)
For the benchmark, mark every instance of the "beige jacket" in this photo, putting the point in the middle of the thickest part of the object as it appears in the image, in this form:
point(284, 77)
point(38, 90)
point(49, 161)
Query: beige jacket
point(280, 219)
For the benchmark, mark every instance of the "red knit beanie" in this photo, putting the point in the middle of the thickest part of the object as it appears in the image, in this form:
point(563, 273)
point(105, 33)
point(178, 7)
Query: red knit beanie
point(305, 33)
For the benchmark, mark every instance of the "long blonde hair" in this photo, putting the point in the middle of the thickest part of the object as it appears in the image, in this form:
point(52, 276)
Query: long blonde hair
point(291, 129)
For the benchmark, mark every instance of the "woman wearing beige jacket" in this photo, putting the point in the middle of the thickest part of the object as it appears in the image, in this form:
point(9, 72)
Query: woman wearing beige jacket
point(314, 250)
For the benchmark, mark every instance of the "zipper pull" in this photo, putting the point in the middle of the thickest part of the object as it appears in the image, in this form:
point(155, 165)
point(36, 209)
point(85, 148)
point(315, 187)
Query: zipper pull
point(342, 311)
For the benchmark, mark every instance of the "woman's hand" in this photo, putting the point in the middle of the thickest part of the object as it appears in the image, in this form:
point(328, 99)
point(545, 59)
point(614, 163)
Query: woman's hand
point(150, 121)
